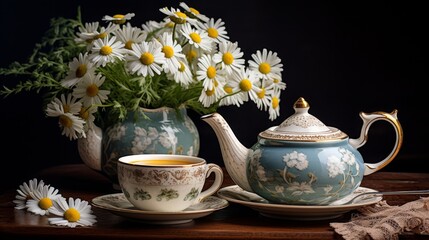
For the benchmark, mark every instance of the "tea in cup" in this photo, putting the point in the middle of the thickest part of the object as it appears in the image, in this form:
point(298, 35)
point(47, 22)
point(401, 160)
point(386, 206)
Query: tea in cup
point(166, 182)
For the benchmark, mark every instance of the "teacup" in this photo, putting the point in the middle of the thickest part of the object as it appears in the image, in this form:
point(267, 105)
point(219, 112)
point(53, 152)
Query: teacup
point(166, 182)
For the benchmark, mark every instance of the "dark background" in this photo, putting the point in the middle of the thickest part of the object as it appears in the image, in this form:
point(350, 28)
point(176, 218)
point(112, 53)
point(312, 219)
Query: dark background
point(341, 57)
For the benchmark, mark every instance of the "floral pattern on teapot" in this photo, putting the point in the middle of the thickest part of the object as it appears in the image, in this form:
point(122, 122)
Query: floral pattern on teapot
point(301, 181)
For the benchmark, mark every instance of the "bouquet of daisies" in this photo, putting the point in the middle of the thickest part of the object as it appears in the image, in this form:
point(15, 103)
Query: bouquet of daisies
point(95, 72)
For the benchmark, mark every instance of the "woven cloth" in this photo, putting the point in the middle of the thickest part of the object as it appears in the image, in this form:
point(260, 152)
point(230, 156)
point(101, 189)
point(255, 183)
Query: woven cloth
point(382, 221)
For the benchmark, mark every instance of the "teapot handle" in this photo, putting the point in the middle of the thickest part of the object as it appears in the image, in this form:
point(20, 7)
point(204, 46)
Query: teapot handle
point(368, 119)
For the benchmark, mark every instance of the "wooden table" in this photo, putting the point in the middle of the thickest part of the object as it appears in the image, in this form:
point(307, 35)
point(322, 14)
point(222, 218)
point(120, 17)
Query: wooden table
point(233, 222)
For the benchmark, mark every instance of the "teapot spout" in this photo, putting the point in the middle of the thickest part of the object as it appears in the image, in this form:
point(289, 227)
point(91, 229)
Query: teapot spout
point(90, 148)
point(234, 154)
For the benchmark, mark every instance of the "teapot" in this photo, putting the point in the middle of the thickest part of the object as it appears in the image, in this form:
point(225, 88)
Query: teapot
point(301, 161)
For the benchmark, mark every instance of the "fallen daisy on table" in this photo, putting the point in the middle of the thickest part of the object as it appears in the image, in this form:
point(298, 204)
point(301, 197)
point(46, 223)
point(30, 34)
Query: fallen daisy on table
point(24, 192)
point(74, 213)
point(42, 199)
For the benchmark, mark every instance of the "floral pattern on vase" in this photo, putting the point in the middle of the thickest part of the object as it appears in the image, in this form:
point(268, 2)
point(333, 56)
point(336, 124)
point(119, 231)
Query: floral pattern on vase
point(162, 130)
point(302, 177)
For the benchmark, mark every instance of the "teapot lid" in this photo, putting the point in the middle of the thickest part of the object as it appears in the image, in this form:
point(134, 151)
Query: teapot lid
point(302, 126)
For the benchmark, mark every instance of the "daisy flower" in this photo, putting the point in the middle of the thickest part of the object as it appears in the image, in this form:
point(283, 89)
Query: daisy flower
point(193, 13)
point(177, 16)
point(208, 72)
point(197, 38)
point(90, 92)
point(72, 126)
point(88, 36)
point(172, 51)
point(42, 200)
point(274, 106)
point(78, 68)
point(232, 98)
point(229, 56)
point(277, 84)
point(261, 98)
point(208, 97)
point(242, 84)
point(146, 59)
point(87, 33)
point(24, 192)
point(215, 30)
point(266, 64)
point(72, 213)
point(118, 18)
point(192, 55)
point(130, 35)
point(87, 114)
point(105, 50)
point(69, 105)
point(183, 75)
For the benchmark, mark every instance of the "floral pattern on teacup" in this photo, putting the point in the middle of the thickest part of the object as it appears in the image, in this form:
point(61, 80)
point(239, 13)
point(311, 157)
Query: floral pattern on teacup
point(168, 176)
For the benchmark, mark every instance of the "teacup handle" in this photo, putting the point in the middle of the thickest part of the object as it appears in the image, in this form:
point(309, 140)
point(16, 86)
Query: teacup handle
point(211, 167)
point(368, 119)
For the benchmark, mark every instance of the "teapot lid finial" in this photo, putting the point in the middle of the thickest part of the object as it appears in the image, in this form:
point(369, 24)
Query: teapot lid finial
point(302, 126)
point(301, 103)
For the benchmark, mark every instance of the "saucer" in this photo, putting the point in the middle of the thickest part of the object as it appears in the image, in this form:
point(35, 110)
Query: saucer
point(236, 194)
point(118, 204)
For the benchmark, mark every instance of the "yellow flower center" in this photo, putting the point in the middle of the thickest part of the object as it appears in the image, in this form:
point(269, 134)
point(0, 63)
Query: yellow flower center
point(228, 89)
point(84, 114)
point(181, 15)
point(275, 102)
point(275, 80)
point(194, 11)
point(65, 121)
point(118, 16)
point(72, 215)
point(45, 203)
point(168, 51)
point(180, 19)
point(81, 70)
point(101, 35)
point(106, 50)
point(129, 44)
point(212, 32)
point(182, 67)
point(191, 55)
point(210, 92)
point(92, 90)
point(261, 94)
point(195, 37)
point(147, 58)
point(211, 72)
point(66, 108)
point(245, 85)
point(227, 58)
point(169, 25)
point(264, 68)
point(121, 19)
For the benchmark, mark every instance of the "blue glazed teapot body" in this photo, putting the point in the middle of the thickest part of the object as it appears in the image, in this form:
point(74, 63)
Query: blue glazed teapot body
point(304, 173)
point(302, 161)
